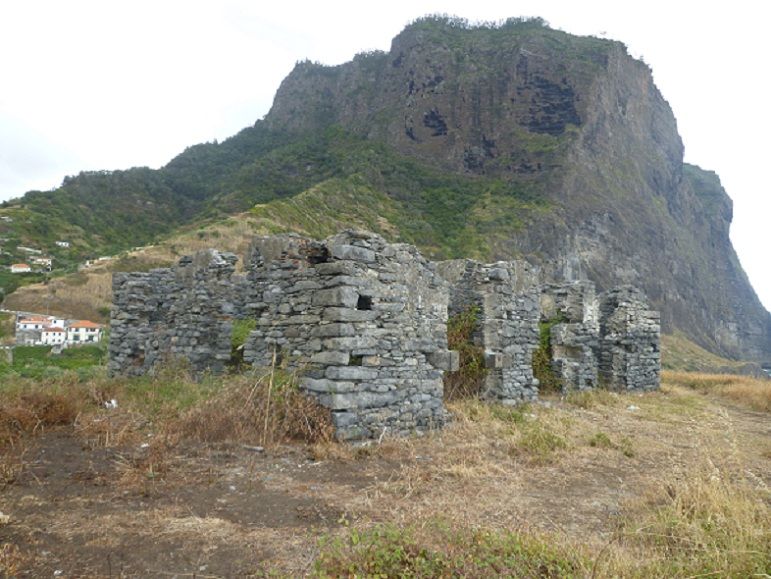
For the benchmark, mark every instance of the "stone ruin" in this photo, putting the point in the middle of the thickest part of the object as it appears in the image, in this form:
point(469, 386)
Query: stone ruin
point(505, 295)
point(363, 322)
point(629, 355)
point(570, 312)
point(184, 312)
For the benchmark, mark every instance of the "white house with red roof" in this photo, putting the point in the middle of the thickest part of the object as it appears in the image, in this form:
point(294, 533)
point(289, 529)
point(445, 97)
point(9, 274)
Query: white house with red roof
point(33, 322)
point(53, 336)
point(83, 332)
point(37, 330)
point(21, 268)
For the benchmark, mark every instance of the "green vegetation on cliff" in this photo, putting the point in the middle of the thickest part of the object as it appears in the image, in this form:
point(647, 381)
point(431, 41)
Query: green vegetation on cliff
point(488, 141)
point(350, 181)
point(316, 184)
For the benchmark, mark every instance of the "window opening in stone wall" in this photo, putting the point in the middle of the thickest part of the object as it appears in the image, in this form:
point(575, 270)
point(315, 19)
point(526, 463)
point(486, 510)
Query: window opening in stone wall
point(364, 303)
point(318, 255)
point(356, 361)
point(468, 381)
point(543, 356)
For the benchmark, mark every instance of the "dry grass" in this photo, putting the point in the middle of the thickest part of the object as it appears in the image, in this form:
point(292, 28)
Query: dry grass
point(588, 399)
point(79, 295)
point(31, 412)
point(484, 447)
point(669, 483)
point(139, 470)
point(263, 409)
point(29, 409)
point(12, 560)
point(12, 463)
point(257, 410)
point(754, 393)
point(158, 415)
point(681, 354)
point(701, 520)
point(692, 502)
point(693, 517)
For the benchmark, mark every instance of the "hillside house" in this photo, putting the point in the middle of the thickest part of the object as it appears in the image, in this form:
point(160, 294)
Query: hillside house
point(33, 323)
point(21, 268)
point(83, 332)
point(53, 336)
point(45, 262)
point(64, 244)
point(30, 250)
point(38, 330)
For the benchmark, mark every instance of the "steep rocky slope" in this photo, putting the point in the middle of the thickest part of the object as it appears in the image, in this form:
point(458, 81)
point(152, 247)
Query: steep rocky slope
point(574, 121)
point(487, 142)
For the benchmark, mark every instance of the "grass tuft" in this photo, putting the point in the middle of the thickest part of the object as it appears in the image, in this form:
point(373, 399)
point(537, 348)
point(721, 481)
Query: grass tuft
point(602, 440)
point(539, 443)
point(706, 520)
point(249, 409)
point(588, 399)
point(437, 550)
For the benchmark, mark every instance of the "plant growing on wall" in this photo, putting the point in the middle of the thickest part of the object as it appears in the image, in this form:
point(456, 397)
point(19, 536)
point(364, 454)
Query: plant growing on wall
point(240, 332)
point(467, 382)
point(542, 358)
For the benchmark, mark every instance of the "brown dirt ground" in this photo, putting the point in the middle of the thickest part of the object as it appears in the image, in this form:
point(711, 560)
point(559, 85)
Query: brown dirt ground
point(226, 510)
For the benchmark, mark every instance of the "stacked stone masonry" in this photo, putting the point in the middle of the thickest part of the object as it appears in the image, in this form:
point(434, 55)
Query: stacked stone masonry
point(571, 312)
point(184, 312)
point(363, 323)
point(630, 356)
point(505, 297)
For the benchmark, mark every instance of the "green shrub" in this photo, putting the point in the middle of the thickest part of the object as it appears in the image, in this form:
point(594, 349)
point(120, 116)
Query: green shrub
point(468, 381)
point(542, 358)
point(439, 550)
point(38, 361)
point(238, 337)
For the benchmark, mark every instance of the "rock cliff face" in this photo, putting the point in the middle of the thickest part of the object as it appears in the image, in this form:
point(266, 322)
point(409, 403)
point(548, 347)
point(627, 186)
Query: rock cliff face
point(575, 122)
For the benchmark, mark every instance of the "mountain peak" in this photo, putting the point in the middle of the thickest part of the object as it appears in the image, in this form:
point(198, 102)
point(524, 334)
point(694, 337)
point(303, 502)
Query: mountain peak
point(490, 140)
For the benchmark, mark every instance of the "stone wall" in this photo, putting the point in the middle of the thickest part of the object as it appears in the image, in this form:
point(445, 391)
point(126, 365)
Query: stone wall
point(575, 337)
point(184, 312)
point(505, 295)
point(365, 323)
point(630, 356)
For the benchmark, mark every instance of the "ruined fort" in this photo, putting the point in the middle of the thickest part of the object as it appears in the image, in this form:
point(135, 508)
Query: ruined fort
point(363, 323)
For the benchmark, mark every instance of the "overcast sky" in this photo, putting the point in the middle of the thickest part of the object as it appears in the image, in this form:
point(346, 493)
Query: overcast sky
point(88, 85)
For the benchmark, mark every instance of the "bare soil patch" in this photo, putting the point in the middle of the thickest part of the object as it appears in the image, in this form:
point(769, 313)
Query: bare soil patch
point(571, 470)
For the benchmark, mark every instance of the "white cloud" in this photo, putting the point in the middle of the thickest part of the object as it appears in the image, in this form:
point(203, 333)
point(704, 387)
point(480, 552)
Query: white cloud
point(109, 85)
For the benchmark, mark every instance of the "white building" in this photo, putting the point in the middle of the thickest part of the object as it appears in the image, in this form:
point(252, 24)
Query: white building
point(34, 323)
point(83, 332)
point(53, 336)
point(36, 330)
point(64, 244)
point(20, 268)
